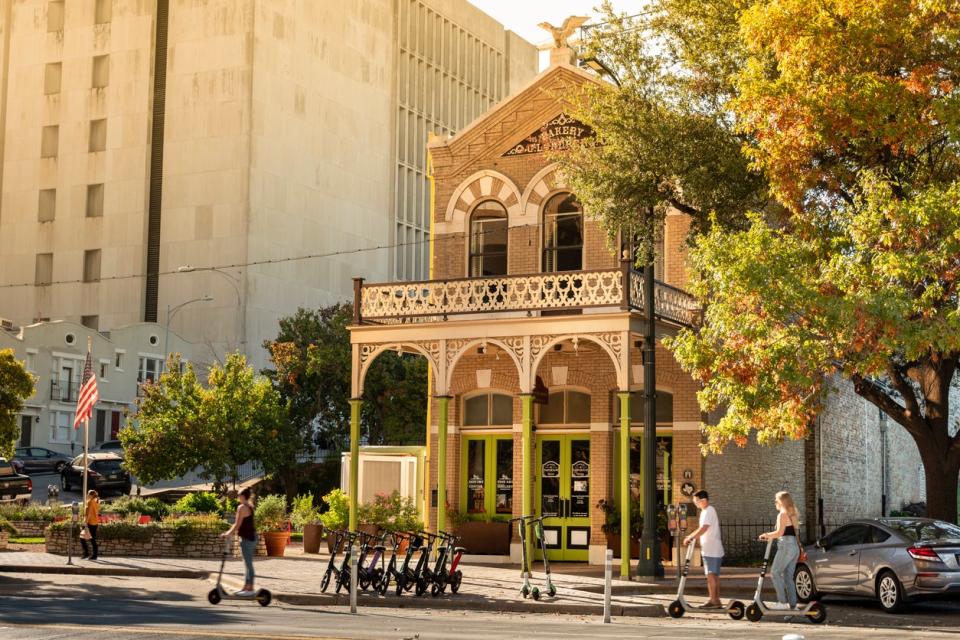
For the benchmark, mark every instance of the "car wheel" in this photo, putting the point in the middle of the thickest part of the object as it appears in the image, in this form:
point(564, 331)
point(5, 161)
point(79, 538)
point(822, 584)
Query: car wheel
point(889, 592)
point(60, 466)
point(803, 581)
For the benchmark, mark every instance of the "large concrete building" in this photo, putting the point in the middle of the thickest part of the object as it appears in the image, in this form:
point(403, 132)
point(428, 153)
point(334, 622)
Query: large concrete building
point(256, 151)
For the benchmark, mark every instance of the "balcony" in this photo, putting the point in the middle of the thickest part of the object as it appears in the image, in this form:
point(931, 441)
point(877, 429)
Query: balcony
point(63, 391)
point(438, 300)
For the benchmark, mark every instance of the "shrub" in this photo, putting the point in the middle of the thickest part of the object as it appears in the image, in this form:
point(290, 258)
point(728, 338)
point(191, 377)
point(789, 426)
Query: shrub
point(9, 528)
point(127, 530)
point(391, 512)
point(337, 514)
point(186, 529)
point(200, 502)
point(271, 513)
point(127, 506)
point(304, 512)
point(33, 511)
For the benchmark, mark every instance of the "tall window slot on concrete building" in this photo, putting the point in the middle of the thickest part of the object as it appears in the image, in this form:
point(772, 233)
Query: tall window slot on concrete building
point(98, 136)
point(55, 16)
point(101, 72)
point(44, 269)
point(91, 265)
point(47, 205)
point(103, 12)
point(50, 141)
point(94, 200)
point(52, 73)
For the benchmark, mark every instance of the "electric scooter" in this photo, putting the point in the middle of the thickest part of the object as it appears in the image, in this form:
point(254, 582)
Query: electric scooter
point(538, 532)
point(371, 574)
point(526, 589)
point(813, 611)
point(442, 575)
point(332, 562)
point(218, 593)
point(680, 606)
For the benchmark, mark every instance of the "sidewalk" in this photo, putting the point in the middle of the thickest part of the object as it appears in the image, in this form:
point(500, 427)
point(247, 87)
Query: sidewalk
point(295, 579)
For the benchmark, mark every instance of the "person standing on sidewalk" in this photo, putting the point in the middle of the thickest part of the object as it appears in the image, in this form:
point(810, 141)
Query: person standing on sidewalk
point(788, 551)
point(91, 521)
point(711, 547)
point(244, 527)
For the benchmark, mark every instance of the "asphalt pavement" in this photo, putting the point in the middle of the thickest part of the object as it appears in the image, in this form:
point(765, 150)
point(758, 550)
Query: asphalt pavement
point(34, 607)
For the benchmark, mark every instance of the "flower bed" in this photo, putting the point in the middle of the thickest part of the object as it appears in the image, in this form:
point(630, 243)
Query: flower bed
point(177, 538)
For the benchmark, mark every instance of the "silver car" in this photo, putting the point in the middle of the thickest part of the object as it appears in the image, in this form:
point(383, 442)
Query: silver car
point(894, 560)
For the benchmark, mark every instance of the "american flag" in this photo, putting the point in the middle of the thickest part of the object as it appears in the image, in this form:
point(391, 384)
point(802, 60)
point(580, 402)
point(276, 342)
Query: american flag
point(88, 393)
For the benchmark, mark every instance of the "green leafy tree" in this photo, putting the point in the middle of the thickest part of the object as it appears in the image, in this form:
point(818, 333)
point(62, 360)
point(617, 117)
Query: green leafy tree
point(16, 385)
point(179, 425)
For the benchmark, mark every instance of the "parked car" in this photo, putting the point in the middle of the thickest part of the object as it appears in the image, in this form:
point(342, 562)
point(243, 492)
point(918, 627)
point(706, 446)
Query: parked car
point(14, 487)
point(106, 473)
point(894, 560)
point(38, 459)
point(111, 445)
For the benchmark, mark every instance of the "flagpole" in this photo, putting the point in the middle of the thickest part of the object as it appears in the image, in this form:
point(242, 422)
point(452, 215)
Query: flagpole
point(86, 443)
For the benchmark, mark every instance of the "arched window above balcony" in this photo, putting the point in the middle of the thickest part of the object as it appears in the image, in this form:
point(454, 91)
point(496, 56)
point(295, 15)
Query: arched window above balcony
point(488, 240)
point(487, 410)
point(563, 234)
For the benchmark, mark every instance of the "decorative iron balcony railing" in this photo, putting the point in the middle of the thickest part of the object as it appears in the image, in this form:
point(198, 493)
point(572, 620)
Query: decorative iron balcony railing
point(436, 300)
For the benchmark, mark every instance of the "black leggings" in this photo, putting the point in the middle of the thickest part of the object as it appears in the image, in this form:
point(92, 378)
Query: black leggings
point(93, 540)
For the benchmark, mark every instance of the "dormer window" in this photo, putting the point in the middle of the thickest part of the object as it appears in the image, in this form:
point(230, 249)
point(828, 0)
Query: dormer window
point(563, 234)
point(488, 240)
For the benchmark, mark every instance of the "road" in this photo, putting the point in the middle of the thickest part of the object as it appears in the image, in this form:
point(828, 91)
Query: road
point(35, 607)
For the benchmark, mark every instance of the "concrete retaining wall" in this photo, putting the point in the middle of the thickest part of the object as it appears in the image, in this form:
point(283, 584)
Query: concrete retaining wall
point(161, 545)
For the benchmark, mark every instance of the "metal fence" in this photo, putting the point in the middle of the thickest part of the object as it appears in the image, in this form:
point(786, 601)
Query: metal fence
point(740, 538)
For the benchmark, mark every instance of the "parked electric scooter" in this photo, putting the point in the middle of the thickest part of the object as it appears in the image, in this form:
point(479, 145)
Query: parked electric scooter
point(405, 576)
point(423, 574)
point(332, 562)
point(813, 611)
point(443, 575)
point(680, 606)
point(218, 593)
point(527, 589)
point(372, 573)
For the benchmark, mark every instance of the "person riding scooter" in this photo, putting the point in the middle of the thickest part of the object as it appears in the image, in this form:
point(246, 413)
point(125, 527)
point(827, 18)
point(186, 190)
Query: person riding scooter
point(244, 527)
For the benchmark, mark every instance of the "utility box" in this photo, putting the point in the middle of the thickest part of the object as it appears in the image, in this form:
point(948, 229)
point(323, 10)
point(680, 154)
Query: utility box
point(385, 470)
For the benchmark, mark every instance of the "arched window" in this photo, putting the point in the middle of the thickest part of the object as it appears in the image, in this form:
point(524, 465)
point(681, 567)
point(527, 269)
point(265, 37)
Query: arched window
point(566, 407)
point(488, 240)
point(637, 408)
point(563, 234)
point(488, 409)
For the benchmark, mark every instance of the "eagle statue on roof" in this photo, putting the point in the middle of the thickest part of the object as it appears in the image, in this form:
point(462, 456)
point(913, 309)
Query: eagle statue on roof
point(564, 31)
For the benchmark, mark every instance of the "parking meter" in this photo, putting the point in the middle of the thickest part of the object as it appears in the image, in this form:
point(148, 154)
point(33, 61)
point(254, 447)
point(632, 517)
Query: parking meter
point(672, 523)
point(74, 514)
point(682, 515)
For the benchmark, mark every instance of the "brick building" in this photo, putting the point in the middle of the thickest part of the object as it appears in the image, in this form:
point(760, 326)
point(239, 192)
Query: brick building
point(532, 327)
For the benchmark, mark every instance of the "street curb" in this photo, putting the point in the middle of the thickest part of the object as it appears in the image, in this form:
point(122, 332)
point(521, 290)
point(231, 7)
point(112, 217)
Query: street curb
point(105, 571)
point(501, 606)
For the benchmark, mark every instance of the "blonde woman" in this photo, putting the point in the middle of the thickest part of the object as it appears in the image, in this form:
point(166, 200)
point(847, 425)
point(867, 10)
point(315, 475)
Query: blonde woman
point(788, 551)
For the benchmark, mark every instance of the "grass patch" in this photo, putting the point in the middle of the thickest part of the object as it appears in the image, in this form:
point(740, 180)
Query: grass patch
point(33, 540)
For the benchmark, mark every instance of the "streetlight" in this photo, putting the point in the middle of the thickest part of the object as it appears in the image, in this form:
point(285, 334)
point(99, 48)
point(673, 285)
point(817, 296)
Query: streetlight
point(649, 565)
point(170, 313)
point(234, 282)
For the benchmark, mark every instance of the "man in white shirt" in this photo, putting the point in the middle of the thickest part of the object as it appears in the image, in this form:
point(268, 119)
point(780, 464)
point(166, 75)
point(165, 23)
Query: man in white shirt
point(711, 547)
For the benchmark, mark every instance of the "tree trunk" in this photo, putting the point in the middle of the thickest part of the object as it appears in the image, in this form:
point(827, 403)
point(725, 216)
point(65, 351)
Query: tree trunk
point(941, 477)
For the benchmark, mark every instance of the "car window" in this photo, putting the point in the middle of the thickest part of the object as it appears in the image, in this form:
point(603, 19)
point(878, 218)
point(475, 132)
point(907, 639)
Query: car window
point(877, 535)
point(41, 453)
point(78, 461)
point(925, 530)
point(6, 469)
point(106, 466)
point(21, 451)
point(848, 535)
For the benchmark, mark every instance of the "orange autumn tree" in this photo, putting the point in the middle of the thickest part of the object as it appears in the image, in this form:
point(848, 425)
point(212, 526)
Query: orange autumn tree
point(851, 110)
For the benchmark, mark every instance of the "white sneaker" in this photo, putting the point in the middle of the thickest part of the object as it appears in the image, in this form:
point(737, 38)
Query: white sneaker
point(778, 606)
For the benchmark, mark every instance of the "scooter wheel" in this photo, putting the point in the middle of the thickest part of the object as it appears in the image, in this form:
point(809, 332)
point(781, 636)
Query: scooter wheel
point(401, 580)
point(736, 610)
point(535, 593)
point(552, 591)
point(753, 613)
point(455, 581)
point(325, 582)
point(363, 581)
point(675, 609)
point(435, 590)
point(264, 597)
point(421, 586)
point(525, 591)
point(214, 596)
point(817, 613)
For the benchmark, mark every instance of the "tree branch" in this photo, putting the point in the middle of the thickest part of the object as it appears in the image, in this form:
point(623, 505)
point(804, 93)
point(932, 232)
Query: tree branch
point(876, 394)
point(906, 392)
point(683, 207)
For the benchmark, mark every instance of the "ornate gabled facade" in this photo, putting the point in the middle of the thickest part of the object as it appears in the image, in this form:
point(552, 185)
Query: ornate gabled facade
point(532, 327)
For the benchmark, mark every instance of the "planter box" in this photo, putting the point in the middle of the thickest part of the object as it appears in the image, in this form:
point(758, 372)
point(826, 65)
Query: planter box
point(485, 538)
point(613, 542)
point(160, 545)
point(30, 528)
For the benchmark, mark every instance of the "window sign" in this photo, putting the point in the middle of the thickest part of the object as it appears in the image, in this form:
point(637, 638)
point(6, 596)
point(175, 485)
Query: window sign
point(580, 479)
point(504, 499)
point(476, 476)
point(550, 478)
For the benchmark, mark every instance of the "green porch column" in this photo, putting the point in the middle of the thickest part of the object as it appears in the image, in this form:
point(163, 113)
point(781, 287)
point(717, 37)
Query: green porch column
point(624, 484)
point(354, 460)
point(526, 413)
point(443, 402)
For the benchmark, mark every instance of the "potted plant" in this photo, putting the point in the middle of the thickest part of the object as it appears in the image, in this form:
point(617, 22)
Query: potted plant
point(306, 518)
point(271, 518)
point(612, 526)
point(336, 516)
point(481, 535)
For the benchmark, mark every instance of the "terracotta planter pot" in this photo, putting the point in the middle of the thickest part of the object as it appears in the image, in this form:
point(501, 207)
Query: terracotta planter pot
point(276, 542)
point(485, 538)
point(371, 529)
point(613, 543)
point(312, 534)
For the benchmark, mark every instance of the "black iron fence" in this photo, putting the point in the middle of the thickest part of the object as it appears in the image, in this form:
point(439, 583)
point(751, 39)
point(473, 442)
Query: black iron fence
point(741, 544)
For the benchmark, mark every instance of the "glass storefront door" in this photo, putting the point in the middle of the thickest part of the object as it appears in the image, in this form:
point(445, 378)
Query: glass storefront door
point(487, 487)
point(563, 495)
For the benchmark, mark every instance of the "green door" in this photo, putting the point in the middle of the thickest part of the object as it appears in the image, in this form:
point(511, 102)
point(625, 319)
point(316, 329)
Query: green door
point(563, 464)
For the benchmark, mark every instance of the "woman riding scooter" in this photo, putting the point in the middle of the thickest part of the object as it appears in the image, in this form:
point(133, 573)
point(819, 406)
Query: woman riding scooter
point(244, 527)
